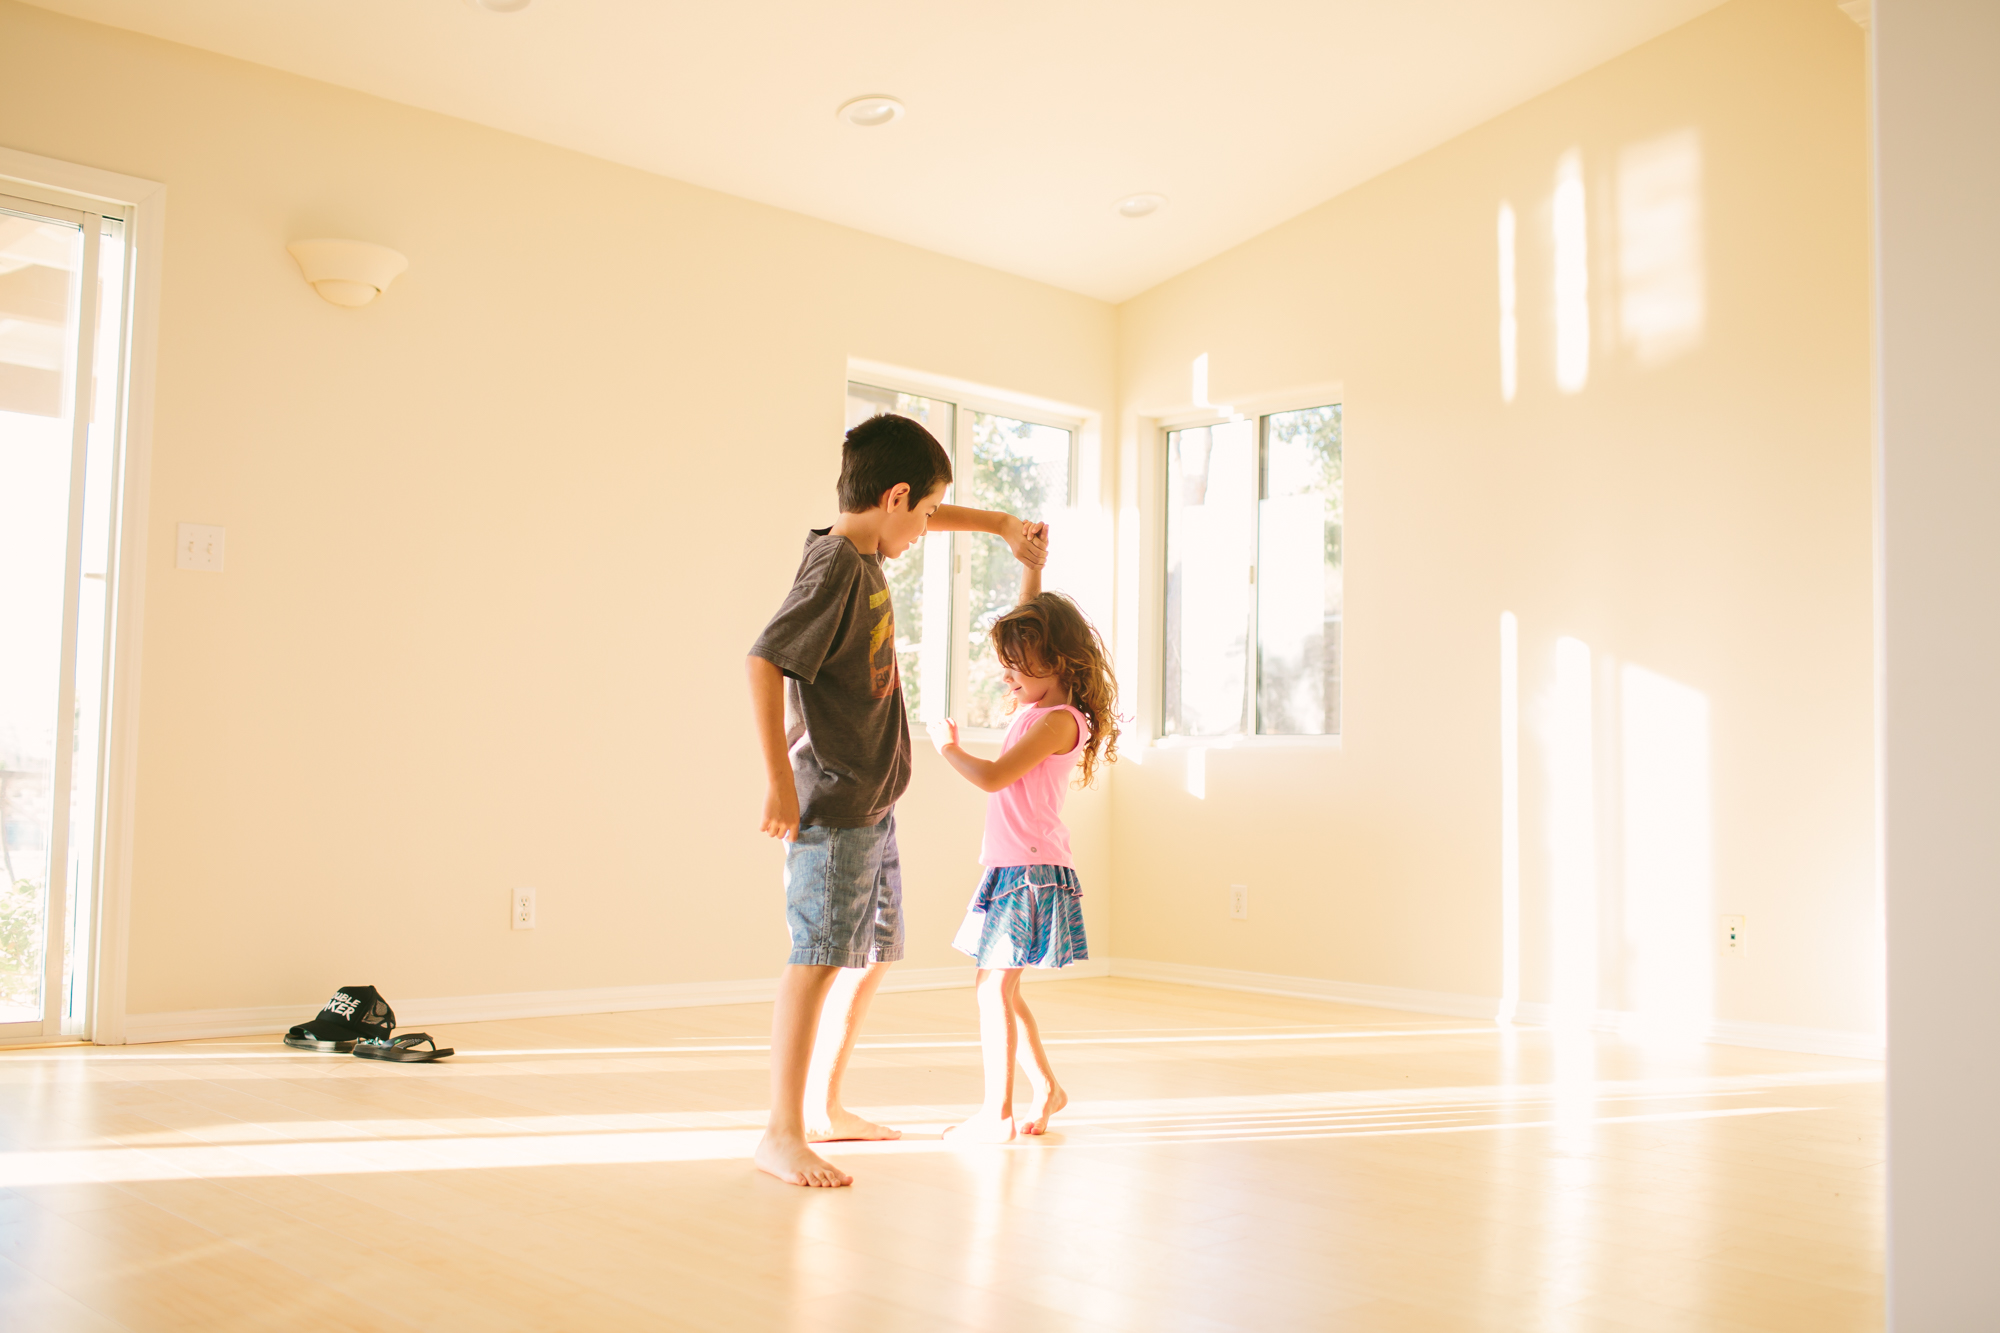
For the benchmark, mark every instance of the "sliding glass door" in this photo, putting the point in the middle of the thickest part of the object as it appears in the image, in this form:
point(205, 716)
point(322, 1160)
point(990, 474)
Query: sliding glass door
point(64, 284)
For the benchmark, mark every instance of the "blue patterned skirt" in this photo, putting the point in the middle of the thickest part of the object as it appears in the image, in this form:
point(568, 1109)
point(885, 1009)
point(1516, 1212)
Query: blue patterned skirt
point(1025, 916)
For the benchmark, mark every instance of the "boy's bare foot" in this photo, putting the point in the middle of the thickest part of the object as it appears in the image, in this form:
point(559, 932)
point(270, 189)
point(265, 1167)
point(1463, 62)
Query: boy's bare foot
point(1051, 1102)
point(796, 1164)
point(982, 1129)
point(844, 1126)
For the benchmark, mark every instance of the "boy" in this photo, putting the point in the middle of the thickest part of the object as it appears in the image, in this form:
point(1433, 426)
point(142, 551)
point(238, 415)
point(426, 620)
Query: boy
point(826, 665)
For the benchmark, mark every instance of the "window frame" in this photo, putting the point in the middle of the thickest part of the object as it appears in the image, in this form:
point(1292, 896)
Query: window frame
point(1255, 410)
point(966, 399)
point(100, 941)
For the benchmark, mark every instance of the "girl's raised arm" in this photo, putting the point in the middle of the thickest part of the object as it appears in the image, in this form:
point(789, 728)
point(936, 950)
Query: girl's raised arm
point(1031, 575)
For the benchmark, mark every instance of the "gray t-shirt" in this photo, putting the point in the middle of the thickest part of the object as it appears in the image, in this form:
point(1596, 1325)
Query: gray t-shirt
point(835, 640)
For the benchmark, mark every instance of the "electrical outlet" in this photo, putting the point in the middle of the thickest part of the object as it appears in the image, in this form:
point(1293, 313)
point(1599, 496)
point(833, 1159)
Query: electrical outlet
point(524, 909)
point(198, 546)
point(1732, 941)
point(1239, 902)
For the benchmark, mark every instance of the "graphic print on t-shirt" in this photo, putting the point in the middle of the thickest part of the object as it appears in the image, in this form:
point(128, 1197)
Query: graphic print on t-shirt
point(882, 647)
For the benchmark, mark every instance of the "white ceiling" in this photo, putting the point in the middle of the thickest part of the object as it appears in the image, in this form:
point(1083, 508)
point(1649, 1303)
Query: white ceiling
point(1027, 120)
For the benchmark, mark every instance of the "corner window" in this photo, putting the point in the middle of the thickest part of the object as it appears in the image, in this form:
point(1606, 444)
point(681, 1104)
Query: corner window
point(1253, 577)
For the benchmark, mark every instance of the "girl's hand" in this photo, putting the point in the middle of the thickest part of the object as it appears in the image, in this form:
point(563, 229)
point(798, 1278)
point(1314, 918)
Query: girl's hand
point(1034, 552)
point(1028, 541)
point(943, 733)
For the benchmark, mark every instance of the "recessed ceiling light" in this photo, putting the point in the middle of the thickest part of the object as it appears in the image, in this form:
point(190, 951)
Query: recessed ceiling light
point(1140, 205)
point(500, 6)
point(870, 111)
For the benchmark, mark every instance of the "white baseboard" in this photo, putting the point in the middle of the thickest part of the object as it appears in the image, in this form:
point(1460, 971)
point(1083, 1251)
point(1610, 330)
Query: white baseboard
point(193, 1024)
point(1308, 988)
point(1806, 1041)
point(1766, 1036)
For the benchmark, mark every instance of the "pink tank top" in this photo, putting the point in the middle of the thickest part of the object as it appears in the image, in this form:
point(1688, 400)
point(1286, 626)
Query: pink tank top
point(1024, 819)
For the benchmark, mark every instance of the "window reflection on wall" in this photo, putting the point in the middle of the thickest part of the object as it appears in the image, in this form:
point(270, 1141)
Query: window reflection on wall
point(1568, 742)
point(1666, 831)
point(1572, 274)
point(1627, 883)
point(1510, 324)
point(1662, 302)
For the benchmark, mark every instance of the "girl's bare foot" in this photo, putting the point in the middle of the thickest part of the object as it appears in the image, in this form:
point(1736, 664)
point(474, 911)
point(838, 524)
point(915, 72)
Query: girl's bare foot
point(796, 1164)
point(1051, 1101)
point(843, 1126)
point(982, 1129)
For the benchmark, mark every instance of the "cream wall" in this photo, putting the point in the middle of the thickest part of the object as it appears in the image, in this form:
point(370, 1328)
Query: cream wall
point(1705, 517)
point(496, 544)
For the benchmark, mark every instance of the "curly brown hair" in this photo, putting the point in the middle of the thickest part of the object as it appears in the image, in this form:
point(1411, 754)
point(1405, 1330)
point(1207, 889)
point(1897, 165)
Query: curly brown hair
point(1048, 635)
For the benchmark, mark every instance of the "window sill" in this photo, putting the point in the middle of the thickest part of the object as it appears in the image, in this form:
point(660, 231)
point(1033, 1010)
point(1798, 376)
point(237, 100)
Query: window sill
point(1244, 743)
point(972, 738)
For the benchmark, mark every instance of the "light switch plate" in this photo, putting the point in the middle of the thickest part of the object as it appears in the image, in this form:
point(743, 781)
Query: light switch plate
point(200, 547)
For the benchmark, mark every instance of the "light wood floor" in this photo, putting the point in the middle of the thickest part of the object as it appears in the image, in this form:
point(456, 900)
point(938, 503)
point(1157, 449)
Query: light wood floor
point(1229, 1162)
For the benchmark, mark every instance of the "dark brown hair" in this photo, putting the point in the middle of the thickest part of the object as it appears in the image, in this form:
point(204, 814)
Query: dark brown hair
point(1048, 635)
point(884, 450)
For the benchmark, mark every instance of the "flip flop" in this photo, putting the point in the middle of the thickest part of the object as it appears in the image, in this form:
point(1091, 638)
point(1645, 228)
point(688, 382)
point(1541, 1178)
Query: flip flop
point(401, 1049)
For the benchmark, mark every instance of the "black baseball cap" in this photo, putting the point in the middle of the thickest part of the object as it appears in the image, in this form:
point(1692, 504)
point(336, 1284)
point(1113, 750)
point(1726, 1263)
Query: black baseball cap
point(354, 1012)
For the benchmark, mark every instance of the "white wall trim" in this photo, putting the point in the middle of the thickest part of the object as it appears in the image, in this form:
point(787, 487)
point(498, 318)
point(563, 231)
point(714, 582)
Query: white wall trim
point(419, 1013)
point(969, 393)
point(1766, 1036)
point(194, 1024)
point(1807, 1041)
point(1307, 988)
point(144, 203)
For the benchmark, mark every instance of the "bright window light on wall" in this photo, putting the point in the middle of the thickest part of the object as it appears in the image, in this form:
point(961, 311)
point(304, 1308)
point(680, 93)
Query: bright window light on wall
point(1569, 749)
point(1662, 303)
point(1510, 329)
point(1510, 816)
point(1572, 272)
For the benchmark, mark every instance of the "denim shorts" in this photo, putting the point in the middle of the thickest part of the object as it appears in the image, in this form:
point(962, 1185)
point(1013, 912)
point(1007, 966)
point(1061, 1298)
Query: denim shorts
point(844, 895)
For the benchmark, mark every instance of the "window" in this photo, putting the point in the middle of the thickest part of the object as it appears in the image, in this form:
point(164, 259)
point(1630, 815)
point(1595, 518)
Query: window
point(950, 588)
point(64, 288)
point(920, 579)
point(1024, 469)
point(1253, 577)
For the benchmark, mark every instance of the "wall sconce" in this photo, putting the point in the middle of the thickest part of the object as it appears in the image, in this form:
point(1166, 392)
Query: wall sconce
point(349, 273)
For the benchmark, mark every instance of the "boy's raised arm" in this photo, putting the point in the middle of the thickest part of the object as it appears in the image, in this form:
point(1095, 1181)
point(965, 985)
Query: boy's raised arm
point(1028, 541)
point(767, 709)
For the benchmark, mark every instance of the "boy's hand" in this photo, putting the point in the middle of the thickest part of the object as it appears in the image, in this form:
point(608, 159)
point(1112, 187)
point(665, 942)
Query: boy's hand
point(1028, 541)
point(781, 811)
point(943, 733)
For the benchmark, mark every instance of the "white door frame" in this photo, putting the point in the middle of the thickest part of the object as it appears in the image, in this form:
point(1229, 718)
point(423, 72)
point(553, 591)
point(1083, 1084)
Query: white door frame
point(144, 204)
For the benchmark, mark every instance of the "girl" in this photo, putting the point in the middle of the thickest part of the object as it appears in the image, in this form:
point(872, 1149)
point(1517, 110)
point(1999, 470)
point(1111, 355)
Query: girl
point(1027, 910)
